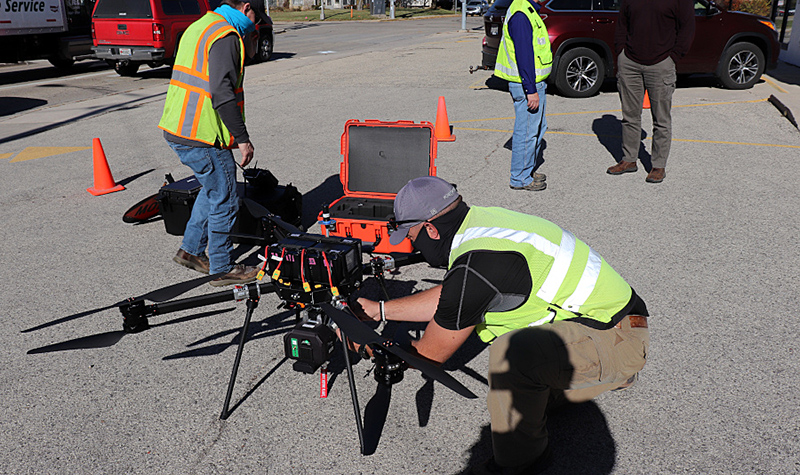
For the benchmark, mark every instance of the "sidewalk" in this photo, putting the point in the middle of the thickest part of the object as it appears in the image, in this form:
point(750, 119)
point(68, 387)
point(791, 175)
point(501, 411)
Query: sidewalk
point(785, 79)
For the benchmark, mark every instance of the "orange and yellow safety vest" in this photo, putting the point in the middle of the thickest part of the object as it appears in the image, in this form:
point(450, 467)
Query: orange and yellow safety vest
point(188, 112)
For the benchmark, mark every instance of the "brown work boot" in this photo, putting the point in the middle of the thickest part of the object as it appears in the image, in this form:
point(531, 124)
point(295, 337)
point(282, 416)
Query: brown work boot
point(539, 176)
point(622, 167)
point(656, 175)
point(240, 274)
point(532, 186)
point(198, 263)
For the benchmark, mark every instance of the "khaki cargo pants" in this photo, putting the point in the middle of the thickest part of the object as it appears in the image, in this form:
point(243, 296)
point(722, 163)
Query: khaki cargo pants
point(533, 366)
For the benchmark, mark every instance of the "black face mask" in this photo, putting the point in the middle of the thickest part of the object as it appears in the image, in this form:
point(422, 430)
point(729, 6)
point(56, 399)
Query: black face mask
point(437, 251)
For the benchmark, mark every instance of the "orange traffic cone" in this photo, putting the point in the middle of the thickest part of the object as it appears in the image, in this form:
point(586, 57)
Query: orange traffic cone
point(103, 181)
point(646, 104)
point(443, 133)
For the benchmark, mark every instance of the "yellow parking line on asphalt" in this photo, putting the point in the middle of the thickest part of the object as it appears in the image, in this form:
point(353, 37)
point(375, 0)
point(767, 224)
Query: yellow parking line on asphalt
point(556, 114)
point(32, 153)
point(475, 84)
point(752, 144)
point(773, 84)
point(739, 143)
point(3, 156)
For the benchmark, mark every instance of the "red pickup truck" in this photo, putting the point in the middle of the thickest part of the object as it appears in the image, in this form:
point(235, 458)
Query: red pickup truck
point(128, 34)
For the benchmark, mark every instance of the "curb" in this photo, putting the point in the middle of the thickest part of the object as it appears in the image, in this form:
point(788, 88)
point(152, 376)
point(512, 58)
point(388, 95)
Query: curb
point(782, 109)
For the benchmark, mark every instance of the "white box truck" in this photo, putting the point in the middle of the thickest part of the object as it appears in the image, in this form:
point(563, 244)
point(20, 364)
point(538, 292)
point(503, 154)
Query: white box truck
point(57, 30)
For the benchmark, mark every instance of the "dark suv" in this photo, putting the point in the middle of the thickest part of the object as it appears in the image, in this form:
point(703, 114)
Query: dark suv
point(129, 33)
point(737, 47)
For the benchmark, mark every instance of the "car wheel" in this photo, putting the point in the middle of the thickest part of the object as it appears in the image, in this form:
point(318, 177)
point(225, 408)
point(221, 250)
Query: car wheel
point(126, 68)
point(265, 46)
point(580, 73)
point(741, 66)
point(61, 62)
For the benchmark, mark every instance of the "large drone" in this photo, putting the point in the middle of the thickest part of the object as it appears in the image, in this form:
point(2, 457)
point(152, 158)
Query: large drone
point(313, 275)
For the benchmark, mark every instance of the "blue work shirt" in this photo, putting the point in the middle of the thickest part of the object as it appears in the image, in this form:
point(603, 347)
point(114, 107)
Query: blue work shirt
point(521, 33)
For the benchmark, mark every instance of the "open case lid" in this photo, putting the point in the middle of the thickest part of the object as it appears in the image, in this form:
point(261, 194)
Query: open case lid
point(381, 157)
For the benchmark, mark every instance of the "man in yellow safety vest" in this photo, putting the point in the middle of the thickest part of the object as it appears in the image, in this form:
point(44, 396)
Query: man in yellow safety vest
point(525, 60)
point(563, 325)
point(203, 120)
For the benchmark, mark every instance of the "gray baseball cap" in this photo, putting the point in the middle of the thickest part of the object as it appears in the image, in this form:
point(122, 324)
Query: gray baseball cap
point(418, 201)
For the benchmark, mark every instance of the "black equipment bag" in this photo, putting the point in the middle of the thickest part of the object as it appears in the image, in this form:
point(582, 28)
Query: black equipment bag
point(177, 199)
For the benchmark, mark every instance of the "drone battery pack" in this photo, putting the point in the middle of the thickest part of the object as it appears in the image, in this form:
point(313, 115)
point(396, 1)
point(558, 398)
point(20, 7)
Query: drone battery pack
point(306, 268)
point(177, 199)
point(379, 158)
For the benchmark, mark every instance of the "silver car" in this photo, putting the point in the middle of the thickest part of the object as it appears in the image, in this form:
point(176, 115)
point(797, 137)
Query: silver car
point(477, 7)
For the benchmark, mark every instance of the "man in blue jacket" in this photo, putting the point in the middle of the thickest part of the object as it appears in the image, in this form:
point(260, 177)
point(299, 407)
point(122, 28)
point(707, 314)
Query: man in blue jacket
point(525, 60)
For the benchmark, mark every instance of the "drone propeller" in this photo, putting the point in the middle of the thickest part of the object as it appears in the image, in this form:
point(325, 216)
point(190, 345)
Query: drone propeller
point(364, 335)
point(258, 211)
point(159, 295)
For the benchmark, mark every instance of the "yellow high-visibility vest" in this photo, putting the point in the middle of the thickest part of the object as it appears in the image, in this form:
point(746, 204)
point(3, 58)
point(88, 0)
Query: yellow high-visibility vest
point(506, 64)
point(188, 112)
point(570, 280)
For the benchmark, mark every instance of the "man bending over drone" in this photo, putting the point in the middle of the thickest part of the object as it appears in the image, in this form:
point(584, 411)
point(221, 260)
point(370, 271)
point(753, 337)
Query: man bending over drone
point(562, 323)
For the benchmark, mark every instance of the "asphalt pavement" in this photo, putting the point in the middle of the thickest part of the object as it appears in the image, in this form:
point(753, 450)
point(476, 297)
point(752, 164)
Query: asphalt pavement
point(712, 250)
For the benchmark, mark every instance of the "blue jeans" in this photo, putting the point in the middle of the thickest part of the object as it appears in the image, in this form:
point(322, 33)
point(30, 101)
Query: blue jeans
point(215, 207)
point(529, 128)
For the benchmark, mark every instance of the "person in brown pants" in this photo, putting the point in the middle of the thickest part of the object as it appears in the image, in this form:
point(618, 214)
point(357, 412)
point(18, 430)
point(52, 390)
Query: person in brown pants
point(563, 325)
point(649, 40)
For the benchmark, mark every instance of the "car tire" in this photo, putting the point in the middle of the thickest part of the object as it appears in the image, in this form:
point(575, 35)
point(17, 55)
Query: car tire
point(741, 66)
point(126, 68)
point(265, 45)
point(61, 62)
point(580, 73)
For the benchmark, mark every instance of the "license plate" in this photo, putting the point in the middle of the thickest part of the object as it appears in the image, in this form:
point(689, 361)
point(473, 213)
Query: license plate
point(125, 51)
point(495, 30)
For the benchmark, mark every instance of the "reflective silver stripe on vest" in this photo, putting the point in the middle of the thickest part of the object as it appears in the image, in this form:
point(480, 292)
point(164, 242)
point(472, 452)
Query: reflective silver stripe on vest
point(543, 71)
point(562, 255)
point(587, 283)
point(548, 319)
point(510, 70)
point(190, 80)
point(188, 120)
point(541, 40)
point(540, 243)
point(201, 45)
point(558, 271)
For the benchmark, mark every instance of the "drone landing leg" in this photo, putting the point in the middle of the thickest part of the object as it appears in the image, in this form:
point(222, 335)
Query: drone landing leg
point(353, 394)
point(251, 305)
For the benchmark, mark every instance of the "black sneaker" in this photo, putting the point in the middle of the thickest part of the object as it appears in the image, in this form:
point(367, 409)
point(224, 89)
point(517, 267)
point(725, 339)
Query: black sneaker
point(240, 274)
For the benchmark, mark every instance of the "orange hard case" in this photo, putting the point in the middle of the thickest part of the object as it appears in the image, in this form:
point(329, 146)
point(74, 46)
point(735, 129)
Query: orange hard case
point(380, 157)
